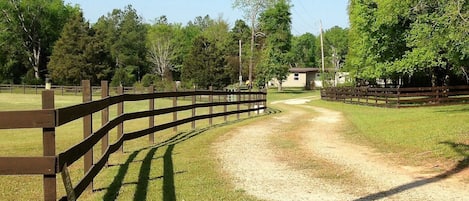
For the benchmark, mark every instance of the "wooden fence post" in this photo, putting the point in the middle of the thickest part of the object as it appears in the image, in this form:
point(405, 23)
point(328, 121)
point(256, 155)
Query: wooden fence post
point(376, 96)
point(151, 119)
point(258, 103)
point(210, 109)
point(120, 111)
point(249, 104)
point(398, 96)
point(175, 114)
point(194, 98)
point(386, 95)
point(238, 97)
point(48, 143)
point(225, 108)
point(104, 116)
point(87, 128)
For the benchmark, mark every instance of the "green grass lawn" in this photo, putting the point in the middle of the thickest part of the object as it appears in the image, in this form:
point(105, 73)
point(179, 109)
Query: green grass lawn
point(185, 168)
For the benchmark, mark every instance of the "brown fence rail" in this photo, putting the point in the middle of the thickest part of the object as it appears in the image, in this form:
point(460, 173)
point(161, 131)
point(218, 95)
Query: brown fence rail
point(50, 164)
point(398, 97)
point(63, 90)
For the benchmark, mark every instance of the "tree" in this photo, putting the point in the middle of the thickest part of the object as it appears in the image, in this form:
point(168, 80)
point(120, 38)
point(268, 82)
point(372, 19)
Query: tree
point(68, 64)
point(276, 24)
point(252, 9)
point(335, 46)
point(303, 51)
point(205, 65)
point(34, 26)
point(409, 40)
point(125, 33)
point(161, 48)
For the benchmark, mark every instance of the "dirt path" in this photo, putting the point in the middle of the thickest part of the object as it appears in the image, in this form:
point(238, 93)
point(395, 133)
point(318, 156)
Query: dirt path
point(248, 156)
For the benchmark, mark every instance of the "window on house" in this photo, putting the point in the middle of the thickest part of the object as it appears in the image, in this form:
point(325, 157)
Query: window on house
point(296, 76)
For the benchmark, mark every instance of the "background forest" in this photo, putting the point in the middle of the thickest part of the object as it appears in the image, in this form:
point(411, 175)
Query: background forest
point(406, 42)
point(46, 38)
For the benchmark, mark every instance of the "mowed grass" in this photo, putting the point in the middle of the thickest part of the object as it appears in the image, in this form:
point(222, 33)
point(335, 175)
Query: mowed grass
point(179, 166)
point(426, 136)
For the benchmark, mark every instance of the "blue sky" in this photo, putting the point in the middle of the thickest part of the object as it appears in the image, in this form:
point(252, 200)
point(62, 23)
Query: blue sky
point(306, 14)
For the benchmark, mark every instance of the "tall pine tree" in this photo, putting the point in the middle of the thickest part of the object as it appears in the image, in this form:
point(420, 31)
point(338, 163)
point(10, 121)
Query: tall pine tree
point(68, 64)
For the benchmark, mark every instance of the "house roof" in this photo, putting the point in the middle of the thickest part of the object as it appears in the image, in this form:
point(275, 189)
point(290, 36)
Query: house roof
point(303, 70)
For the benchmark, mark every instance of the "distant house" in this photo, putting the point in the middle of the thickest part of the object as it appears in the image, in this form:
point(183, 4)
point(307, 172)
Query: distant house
point(308, 78)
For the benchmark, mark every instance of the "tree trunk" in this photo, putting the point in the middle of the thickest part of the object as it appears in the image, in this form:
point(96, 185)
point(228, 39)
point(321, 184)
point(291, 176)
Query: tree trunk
point(434, 78)
point(279, 86)
point(36, 61)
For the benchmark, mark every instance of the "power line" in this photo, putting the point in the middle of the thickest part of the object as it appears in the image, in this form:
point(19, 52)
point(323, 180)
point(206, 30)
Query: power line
point(305, 22)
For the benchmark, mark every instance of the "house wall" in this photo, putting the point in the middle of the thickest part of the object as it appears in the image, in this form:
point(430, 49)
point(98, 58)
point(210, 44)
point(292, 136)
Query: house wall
point(303, 80)
point(295, 81)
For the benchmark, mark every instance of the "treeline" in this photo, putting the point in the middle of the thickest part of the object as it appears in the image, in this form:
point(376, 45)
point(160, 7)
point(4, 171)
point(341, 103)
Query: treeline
point(46, 38)
point(411, 43)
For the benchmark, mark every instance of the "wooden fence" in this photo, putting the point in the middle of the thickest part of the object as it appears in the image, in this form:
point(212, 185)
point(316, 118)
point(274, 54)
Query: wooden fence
point(49, 118)
point(398, 97)
point(62, 90)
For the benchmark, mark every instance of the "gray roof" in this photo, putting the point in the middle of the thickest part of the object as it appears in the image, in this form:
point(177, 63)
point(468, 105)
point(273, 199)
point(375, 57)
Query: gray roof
point(303, 70)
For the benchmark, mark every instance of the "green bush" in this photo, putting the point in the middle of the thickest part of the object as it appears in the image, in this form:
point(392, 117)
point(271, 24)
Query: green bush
point(123, 76)
point(148, 79)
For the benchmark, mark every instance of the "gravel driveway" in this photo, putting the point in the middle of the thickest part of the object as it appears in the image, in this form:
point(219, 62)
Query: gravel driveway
point(247, 155)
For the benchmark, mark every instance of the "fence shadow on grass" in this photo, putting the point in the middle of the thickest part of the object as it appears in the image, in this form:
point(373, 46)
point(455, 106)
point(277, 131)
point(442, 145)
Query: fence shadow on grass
point(461, 149)
point(169, 192)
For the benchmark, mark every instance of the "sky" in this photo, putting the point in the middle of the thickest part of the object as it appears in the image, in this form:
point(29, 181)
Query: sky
point(307, 15)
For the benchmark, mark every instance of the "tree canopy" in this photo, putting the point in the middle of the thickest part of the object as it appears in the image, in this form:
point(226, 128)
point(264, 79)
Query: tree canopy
point(29, 30)
point(412, 42)
point(55, 39)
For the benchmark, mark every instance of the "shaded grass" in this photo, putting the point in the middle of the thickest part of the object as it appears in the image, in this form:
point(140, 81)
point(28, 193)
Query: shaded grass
point(416, 135)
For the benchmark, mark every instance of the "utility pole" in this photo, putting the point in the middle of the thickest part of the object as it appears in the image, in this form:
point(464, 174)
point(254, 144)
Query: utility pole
point(322, 47)
point(240, 64)
point(253, 35)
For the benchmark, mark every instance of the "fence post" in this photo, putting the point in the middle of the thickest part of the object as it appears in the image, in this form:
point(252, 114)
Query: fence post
point(225, 107)
point(258, 103)
point(376, 96)
point(120, 111)
point(151, 119)
point(104, 116)
point(175, 114)
point(398, 95)
point(87, 128)
point(210, 109)
point(366, 95)
point(386, 93)
point(48, 143)
point(238, 97)
point(194, 98)
point(249, 104)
